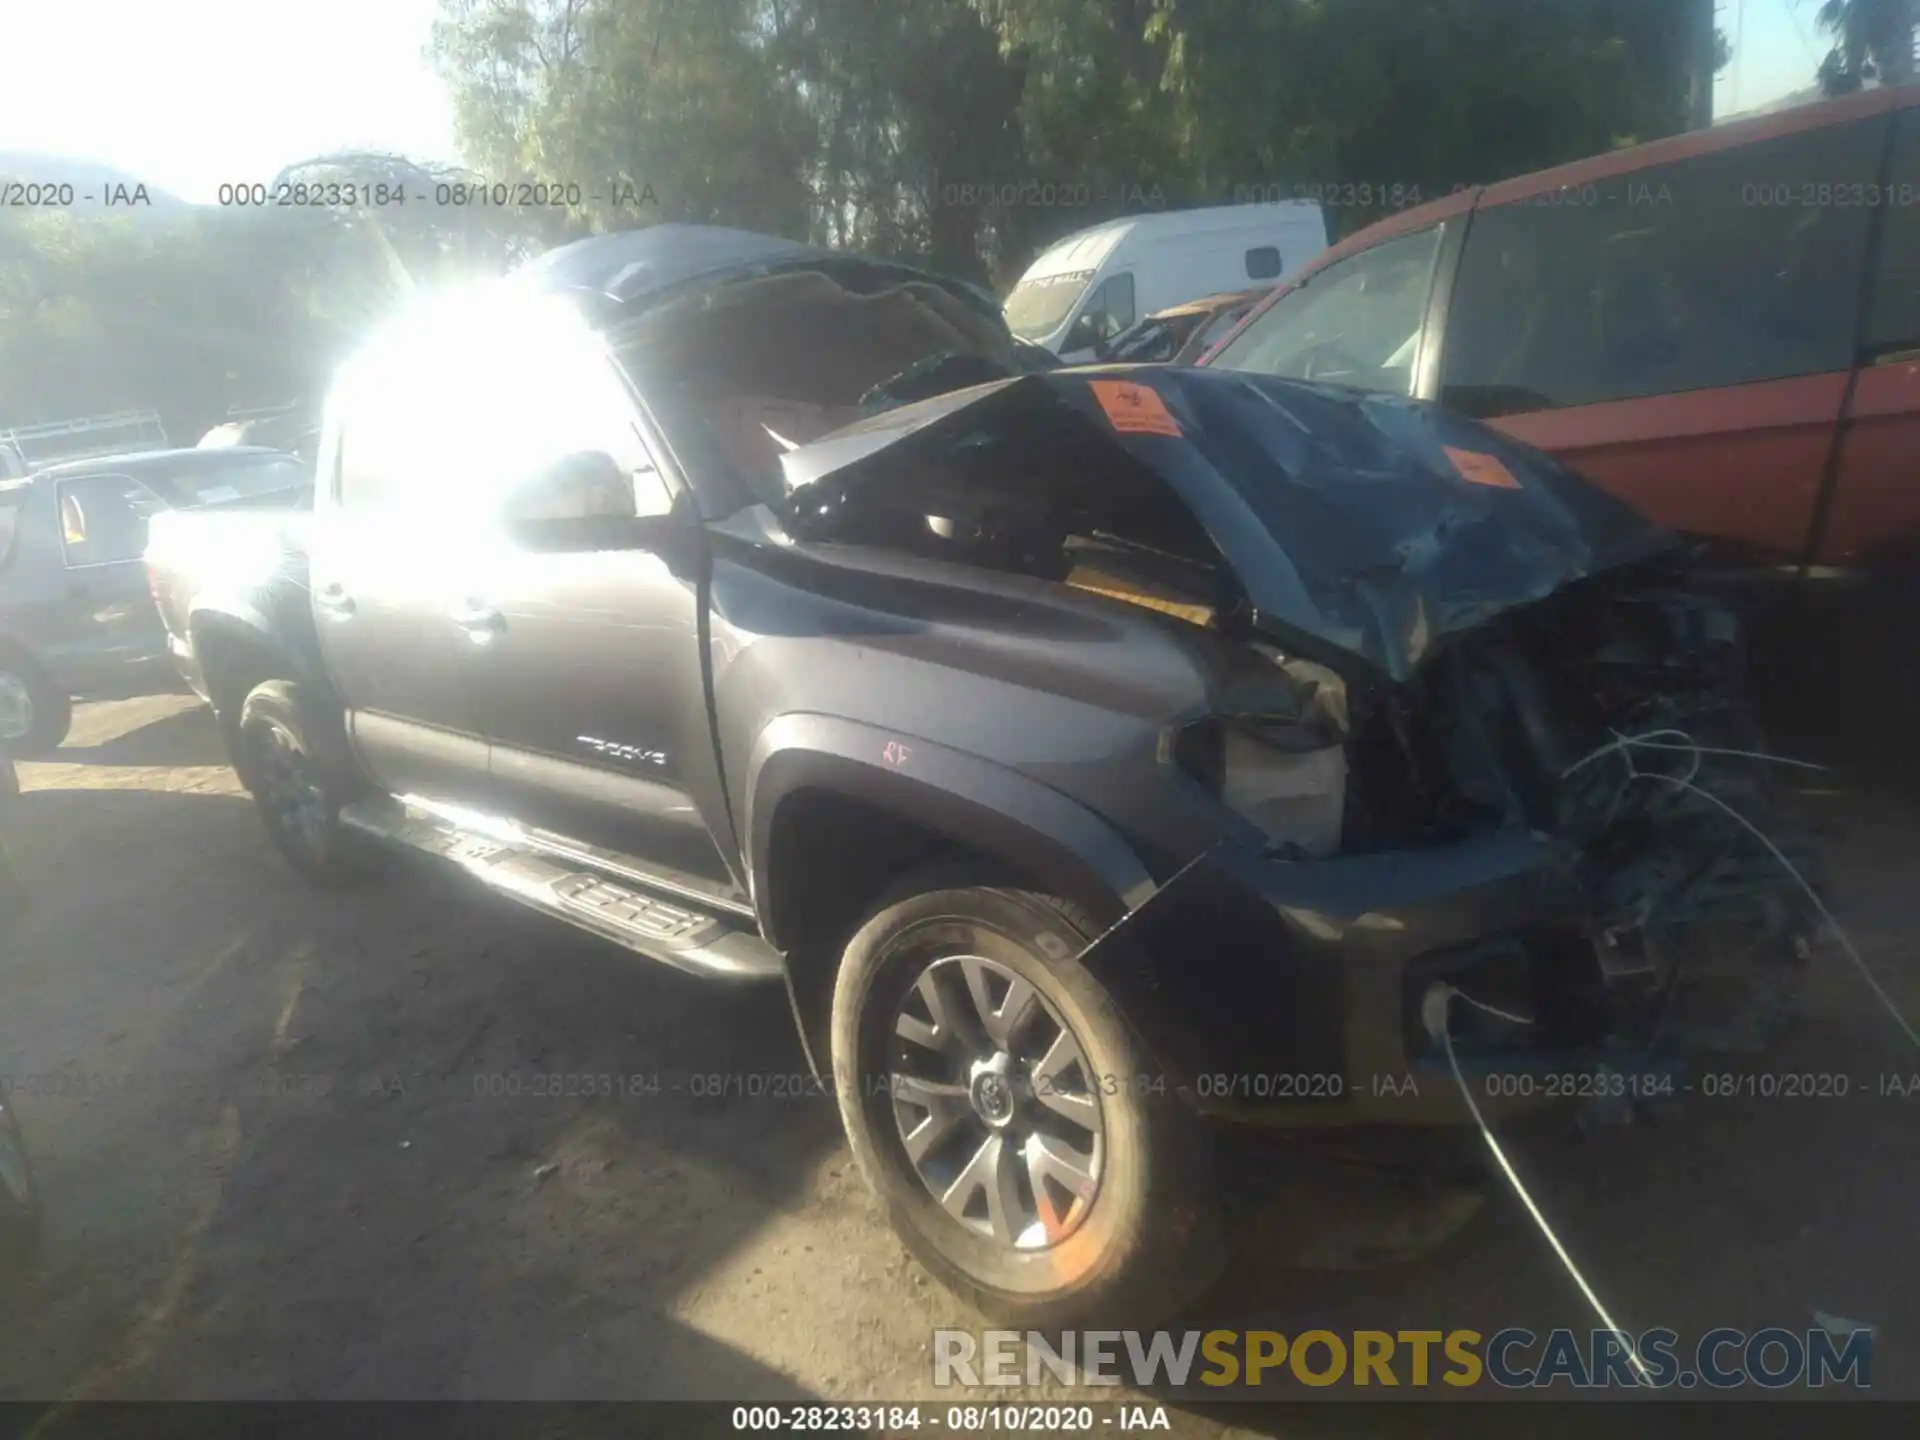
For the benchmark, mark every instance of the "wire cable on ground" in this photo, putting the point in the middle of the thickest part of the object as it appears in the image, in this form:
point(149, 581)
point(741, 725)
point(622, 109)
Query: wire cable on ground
point(1435, 1010)
point(1625, 745)
point(1437, 1005)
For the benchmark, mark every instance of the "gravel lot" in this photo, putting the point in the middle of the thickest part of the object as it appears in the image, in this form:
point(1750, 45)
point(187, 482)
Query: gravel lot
point(277, 1165)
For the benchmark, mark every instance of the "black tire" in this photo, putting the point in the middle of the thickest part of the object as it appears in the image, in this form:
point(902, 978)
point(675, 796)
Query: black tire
point(1148, 1239)
point(48, 709)
point(297, 766)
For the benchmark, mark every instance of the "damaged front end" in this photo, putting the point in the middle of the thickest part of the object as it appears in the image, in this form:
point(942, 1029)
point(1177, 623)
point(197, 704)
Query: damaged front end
point(1503, 742)
point(1614, 719)
point(1558, 817)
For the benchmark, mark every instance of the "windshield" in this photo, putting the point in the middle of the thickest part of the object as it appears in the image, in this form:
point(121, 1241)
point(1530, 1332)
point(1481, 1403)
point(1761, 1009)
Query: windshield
point(1037, 306)
point(217, 484)
point(1356, 323)
point(740, 377)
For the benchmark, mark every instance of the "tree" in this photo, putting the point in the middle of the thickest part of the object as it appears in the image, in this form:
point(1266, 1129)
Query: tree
point(1366, 103)
point(401, 227)
point(194, 310)
point(1872, 40)
point(639, 110)
point(914, 113)
point(163, 310)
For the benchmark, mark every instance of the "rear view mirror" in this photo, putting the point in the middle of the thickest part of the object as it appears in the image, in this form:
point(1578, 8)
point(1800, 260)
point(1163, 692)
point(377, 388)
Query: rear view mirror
point(584, 485)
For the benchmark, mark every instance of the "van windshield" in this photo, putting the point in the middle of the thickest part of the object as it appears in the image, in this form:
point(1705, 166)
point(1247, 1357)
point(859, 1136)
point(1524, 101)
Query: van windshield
point(1037, 305)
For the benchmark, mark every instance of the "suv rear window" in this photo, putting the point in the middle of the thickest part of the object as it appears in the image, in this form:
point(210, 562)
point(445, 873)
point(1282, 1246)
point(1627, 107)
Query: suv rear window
point(215, 484)
point(103, 518)
point(1356, 323)
point(1739, 266)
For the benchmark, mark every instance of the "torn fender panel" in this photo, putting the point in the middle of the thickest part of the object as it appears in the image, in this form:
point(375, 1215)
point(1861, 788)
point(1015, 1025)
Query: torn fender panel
point(1362, 528)
point(1243, 964)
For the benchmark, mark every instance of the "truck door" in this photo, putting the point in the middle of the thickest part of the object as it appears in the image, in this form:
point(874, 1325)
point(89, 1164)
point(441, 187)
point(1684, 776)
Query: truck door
point(103, 624)
point(390, 555)
point(589, 676)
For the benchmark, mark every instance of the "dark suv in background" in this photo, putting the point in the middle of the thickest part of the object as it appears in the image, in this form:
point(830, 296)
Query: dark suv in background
point(76, 617)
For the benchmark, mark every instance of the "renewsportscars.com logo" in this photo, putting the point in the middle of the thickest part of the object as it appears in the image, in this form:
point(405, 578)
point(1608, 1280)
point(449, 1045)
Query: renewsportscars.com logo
point(1723, 1359)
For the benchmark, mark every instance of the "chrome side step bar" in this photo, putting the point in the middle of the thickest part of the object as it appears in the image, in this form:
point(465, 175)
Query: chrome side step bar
point(683, 935)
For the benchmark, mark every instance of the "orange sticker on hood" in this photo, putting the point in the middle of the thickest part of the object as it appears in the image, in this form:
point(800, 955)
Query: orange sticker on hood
point(1134, 409)
point(1481, 469)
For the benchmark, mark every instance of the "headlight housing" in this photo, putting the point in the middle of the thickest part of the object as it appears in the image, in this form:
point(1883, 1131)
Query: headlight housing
point(1286, 776)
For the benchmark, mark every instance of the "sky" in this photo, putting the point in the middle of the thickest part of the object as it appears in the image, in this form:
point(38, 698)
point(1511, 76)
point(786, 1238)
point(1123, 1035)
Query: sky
point(1777, 50)
point(190, 94)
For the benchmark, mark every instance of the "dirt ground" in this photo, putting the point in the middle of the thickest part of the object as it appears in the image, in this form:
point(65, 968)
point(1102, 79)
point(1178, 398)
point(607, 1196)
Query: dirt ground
point(279, 1164)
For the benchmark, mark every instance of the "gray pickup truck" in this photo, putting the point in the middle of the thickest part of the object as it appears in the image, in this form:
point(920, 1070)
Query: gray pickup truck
point(1097, 757)
point(76, 618)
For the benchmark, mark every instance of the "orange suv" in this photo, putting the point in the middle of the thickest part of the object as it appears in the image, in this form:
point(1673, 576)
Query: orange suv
point(1722, 328)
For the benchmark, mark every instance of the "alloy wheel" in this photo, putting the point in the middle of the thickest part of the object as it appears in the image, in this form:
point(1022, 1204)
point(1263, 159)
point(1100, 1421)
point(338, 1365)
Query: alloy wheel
point(997, 1108)
point(291, 788)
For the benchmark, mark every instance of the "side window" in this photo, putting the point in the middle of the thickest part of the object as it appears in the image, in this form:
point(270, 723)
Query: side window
point(1263, 262)
point(368, 457)
point(1110, 311)
point(1894, 321)
point(449, 419)
point(1355, 323)
point(1152, 342)
point(1730, 268)
point(1216, 329)
point(103, 518)
point(377, 438)
point(570, 401)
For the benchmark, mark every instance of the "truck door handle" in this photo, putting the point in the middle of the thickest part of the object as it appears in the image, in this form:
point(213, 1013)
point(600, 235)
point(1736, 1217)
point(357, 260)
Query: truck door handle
point(481, 621)
point(334, 600)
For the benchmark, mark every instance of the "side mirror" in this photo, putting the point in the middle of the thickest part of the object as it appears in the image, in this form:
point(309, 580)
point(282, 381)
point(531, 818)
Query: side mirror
point(585, 485)
point(1083, 334)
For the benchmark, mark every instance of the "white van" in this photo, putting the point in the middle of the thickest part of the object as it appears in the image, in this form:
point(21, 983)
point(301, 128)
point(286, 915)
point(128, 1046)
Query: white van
point(1087, 288)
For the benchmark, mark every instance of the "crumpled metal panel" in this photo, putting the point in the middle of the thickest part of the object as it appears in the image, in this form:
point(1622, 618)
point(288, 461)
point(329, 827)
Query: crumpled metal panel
point(1363, 528)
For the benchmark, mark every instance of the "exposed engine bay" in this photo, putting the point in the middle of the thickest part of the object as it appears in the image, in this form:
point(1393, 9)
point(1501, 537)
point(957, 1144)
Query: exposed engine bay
point(1561, 675)
point(1434, 634)
point(1616, 717)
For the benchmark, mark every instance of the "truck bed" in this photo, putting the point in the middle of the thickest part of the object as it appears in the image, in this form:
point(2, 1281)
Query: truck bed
point(244, 558)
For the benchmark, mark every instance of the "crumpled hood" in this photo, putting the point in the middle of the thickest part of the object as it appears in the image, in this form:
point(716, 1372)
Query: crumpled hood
point(1360, 526)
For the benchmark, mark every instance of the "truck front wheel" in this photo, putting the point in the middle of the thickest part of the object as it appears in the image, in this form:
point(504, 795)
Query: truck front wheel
point(1008, 1117)
point(301, 779)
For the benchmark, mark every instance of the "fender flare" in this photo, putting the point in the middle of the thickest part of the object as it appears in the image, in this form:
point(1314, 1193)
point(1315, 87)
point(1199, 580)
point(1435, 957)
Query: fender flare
point(991, 809)
point(244, 620)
